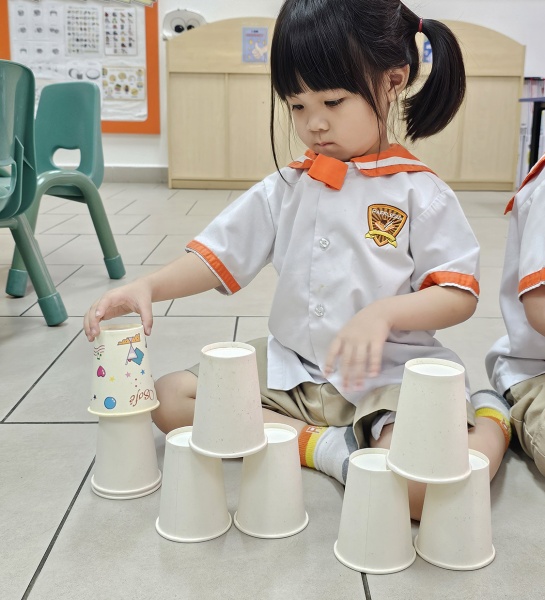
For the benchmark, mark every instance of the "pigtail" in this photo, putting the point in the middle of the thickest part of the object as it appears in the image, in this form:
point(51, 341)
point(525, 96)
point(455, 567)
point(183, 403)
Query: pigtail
point(434, 106)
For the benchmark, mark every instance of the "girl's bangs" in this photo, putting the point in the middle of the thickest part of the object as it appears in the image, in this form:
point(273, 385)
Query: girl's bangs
point(299, 63)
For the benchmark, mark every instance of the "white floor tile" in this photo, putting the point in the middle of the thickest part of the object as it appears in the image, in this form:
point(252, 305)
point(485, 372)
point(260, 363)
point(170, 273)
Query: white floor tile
point(41, 468)
point(85, 249)
point(29, 348)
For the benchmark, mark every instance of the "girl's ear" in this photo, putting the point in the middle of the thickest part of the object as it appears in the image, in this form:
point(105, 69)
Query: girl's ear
point(396, 81)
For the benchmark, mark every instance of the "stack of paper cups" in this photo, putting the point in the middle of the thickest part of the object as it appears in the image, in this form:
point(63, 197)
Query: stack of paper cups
point(456, 529)
point(375, 529)
point(123, 395)
point(271, 491)
point(228, 419)
point(193, 504)
point(430, 439)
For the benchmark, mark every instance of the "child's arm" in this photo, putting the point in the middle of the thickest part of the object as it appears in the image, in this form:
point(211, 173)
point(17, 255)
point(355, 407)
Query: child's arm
point(185, 276)
point(358, 346)
point(534, 307)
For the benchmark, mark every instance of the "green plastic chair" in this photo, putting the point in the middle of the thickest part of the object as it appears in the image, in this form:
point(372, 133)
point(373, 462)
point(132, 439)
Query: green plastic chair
point(18, 161)
point(68, 117)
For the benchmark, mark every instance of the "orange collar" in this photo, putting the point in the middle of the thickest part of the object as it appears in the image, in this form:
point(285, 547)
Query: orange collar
point(332, 171)
point(535, 171)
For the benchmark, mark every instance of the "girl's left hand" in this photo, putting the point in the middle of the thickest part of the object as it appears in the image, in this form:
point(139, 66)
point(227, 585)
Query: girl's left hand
point(357, 349)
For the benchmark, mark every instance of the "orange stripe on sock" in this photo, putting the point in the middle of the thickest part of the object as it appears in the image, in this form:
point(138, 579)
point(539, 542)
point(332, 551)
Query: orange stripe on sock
point(499, 418)
point(307, 441)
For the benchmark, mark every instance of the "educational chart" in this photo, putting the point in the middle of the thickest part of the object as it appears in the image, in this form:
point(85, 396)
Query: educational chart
point(85, 41)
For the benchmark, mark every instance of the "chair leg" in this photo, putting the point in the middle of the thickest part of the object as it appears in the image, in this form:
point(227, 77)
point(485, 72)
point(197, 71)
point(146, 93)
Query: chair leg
point(18, 276)
point(48, 298)
point(112, 259)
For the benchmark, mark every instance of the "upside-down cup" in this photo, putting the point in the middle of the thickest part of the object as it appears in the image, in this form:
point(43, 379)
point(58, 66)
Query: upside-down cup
point(228, 419)
point(271, 491)
point(121, 382)
point(126, 459)
point(193, 505)
point(456, 526)
point(430, 439)
point(375, 529)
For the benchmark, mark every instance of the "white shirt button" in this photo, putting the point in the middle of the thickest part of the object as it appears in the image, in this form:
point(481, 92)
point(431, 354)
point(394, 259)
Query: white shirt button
point(319, 311)
point(324, 243)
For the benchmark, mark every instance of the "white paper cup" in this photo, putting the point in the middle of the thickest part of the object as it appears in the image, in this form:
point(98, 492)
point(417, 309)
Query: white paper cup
point(121, 382)
point(126, 459)
point(430, 439)
point(228, 419)
point(193, 505)
point(375, 529)
point(456, 525)
point(271, 491)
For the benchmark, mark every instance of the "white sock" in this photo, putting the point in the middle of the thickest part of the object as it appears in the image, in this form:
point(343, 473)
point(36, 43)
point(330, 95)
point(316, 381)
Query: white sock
point(327, 449)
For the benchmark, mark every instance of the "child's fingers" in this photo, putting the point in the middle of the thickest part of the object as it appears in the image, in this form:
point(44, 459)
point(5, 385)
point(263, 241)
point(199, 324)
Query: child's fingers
point(354, 359)
point(332, 355)
point(374, 358)
point(90, 323)
point(86, 327)
point(146, 316)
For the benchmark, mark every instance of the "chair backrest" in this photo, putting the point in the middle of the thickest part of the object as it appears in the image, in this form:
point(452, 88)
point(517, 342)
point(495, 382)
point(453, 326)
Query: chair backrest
point(68, 117)
point(17, 90)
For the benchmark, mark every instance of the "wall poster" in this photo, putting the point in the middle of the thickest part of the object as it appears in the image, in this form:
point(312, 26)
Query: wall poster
point(111, 44)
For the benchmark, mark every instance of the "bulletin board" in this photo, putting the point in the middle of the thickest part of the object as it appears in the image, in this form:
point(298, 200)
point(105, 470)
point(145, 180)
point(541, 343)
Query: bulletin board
point(113, 44)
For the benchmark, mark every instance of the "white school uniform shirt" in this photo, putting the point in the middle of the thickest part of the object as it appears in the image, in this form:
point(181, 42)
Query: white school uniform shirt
point(520, 355)
point(332, 261)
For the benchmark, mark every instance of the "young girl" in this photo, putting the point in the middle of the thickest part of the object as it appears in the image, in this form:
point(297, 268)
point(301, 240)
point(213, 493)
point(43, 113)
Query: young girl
point(372, 250)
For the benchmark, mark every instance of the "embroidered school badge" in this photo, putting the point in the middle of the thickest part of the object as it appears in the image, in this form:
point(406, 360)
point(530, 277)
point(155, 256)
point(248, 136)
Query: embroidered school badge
point(385, 223)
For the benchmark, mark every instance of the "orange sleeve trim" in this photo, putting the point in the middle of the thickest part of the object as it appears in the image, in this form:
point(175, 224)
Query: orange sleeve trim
point(219, 268)
point(393, 169)
point(531, 281)
point(534, 172)
point(467, 282)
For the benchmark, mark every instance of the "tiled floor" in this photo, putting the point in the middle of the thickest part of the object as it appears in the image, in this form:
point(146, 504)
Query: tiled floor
point(58, 540)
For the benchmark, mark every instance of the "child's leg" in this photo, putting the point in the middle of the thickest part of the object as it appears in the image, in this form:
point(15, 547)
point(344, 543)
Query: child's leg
point(416, 490)
point(323, 448)
point(177, 392)
point(528, 417)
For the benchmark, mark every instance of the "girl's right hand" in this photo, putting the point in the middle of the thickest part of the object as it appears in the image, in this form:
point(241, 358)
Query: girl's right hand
point(133, 297)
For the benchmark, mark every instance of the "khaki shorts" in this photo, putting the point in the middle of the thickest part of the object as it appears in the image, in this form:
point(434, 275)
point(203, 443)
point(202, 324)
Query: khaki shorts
point(528, 417)
point(321, 404)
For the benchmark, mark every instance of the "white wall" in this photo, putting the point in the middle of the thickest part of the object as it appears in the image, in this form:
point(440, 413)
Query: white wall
point(522, 20)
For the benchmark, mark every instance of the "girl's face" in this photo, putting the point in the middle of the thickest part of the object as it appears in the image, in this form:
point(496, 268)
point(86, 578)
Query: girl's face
point(337, 123)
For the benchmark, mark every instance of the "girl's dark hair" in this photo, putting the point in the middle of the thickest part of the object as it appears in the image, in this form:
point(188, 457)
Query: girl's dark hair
point(350, 44)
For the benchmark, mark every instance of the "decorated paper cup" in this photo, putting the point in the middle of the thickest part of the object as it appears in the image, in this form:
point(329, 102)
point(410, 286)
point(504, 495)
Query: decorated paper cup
point(126, 459)
point(193, 505)
point(228, 420)
point(271, 491)
point(375, 529)
point(122, 383)
point(456, 525)
point(430, 439)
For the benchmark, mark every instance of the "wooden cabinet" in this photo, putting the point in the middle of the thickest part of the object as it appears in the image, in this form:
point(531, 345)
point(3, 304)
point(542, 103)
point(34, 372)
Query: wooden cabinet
point(218, 112)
